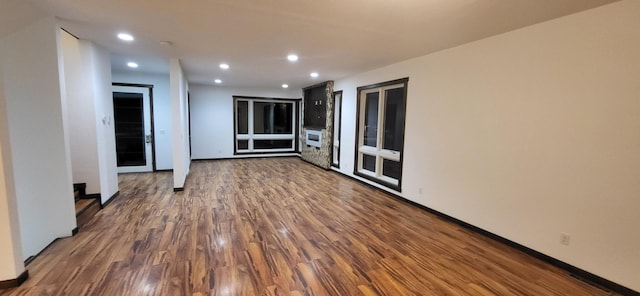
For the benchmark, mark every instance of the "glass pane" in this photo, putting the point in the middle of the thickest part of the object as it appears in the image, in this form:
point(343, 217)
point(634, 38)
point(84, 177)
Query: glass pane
point(371, 120)
point(391, 169)
point(129, 127)
point(272, 118)
point(369, 162)
point(243, 117)
point(243, 144)
point(272, 144)
point(394, 110)
point(283, 118)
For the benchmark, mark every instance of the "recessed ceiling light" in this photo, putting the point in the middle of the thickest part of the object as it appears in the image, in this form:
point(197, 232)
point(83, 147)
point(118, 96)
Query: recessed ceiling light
point(292, 57)
point(224, 66)
point(132, 65)
point(285, 85)
point(314, 74)
point(218, 81)
point(125, 37)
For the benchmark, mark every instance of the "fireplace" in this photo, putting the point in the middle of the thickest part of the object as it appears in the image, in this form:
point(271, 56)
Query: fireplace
point(313, 138)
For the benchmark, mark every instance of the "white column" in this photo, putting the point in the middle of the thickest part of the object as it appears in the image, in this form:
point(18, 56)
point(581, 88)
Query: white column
point(179, 123)
point(10, 248)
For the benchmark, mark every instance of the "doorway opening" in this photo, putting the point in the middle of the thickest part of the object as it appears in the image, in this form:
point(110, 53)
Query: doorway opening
point(132, 114)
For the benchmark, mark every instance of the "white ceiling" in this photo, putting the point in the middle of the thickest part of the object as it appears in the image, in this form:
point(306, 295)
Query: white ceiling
point(337, 38)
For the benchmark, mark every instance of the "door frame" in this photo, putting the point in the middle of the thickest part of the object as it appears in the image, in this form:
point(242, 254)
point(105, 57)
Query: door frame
point(153, 130)
point(378, 151)
point(339, 127)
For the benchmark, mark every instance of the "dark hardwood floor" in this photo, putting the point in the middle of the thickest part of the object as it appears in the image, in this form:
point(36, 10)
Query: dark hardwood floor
point(279, 226)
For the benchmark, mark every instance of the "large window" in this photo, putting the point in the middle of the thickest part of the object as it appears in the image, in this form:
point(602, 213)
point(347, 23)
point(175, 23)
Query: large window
point(380, 132)
point(265, 125)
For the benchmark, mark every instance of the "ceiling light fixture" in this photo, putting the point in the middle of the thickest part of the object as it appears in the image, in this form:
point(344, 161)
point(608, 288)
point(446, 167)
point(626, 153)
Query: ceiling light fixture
point(132, 65)
point(285, 85)
point(218, 81)
point(314, 74)
point(125, 37)
point(224, 66)
point(292, 57)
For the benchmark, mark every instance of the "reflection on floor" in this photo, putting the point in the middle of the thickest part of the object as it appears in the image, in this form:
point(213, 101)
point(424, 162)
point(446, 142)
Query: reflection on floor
point(279, 226)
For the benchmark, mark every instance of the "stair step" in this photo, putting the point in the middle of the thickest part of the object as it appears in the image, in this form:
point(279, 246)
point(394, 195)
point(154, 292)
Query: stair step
point(81, 188)
point(85, 210)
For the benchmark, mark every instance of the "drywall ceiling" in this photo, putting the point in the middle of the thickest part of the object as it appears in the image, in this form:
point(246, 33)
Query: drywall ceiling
point(15, 14)
point(336, 38)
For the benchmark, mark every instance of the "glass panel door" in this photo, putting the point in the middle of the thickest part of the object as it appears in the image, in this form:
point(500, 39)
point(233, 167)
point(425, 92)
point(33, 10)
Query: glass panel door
point(381, 109)
point(132, 123)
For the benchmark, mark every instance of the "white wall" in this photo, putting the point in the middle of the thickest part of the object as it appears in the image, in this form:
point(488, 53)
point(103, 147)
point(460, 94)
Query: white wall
point(530, 134)
point(11, 247)
point(100, 62)
point(89, 107)
point(179, 89)
point(161, 112)
point(212, 117)
point(81, 114)
point(41, 168)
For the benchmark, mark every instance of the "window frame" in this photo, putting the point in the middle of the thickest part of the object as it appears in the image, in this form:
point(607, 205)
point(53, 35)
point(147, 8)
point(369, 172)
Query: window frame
point(250, 136)
point(378, 152)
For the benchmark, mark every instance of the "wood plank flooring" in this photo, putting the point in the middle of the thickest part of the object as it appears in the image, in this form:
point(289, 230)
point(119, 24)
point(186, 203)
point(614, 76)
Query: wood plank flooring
point(82, 204)
point(279, 226)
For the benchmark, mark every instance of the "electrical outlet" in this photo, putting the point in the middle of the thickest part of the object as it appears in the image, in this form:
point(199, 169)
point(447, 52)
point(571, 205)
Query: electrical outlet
point(565, 239)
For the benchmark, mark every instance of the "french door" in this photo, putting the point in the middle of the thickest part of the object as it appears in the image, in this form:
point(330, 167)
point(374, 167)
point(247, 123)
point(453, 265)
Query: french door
point(381, 120)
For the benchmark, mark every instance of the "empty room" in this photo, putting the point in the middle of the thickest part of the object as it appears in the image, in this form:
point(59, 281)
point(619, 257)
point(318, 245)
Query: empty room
point(415, 147)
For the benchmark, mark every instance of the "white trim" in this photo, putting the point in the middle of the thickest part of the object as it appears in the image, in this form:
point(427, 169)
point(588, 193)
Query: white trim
point(251, 136)
point(146, 108)
point(378, 152)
